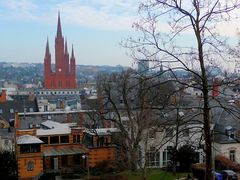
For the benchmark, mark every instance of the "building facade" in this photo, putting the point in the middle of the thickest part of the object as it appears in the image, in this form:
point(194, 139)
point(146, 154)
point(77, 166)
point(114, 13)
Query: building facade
point(52, 146)
point(64, 76)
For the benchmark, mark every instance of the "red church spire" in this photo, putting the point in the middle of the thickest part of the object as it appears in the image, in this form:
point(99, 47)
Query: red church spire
point(59, 28)
point(73, 70)
point(47, 66)
point(47, 52)
point(72, 53)
point(72, 63)
point(66, 56)
point(64, 76)
point(66, 49)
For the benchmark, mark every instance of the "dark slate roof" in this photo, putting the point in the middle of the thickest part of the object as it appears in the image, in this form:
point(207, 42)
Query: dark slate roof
point(6, 133)
point(90, 104)
point(56, 97)
point(35, 119)
point(17, 104)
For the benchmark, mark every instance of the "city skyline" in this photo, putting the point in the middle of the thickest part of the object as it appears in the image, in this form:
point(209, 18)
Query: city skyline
point(95, 29)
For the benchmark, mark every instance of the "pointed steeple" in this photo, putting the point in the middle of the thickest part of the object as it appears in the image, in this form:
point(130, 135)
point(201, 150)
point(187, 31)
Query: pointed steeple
point(72, 56)
point(59, 28)
point(72, 63)
point(47, 52)
point(66, 57)
point(66, 48)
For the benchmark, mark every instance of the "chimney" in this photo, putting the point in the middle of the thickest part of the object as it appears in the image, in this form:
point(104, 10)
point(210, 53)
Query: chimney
point(3, 96)
point(215, 91)
point(16, 123)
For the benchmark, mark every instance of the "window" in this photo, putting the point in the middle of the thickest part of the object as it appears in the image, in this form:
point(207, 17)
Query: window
point(29, 148)
point(121, 101)
point(64, 139)
point(153, 157)
point(169, 132)
point(52, 84)
point(45, 108)
point(232, 155)
point(151, 133)
point(31, 109)
point(76, 138)
point(167, 155)
point(6, 142)
point(68, 83)
point(101, 141)
point(44, 139)
point(11, 110)
point(54, 140)
point(30, 166)
point(1, 111)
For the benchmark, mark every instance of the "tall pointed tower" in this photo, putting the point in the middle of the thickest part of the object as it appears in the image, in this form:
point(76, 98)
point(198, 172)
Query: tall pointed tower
point(64, 76)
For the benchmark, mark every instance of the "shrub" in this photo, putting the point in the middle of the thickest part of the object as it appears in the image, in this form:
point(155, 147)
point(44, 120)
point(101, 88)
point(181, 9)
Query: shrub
point(186, 156)
point(223, 162)
point(8, 165)
point(198, 170)
point(104, 167)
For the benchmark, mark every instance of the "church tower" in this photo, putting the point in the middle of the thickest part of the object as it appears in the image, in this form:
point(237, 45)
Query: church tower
point(64, 76)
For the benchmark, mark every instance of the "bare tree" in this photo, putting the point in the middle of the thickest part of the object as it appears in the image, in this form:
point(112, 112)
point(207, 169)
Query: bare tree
point(198, 19)
point(127, 102)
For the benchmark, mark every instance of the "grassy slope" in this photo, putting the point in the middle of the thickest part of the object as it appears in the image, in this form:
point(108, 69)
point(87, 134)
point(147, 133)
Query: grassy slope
point(153, 175)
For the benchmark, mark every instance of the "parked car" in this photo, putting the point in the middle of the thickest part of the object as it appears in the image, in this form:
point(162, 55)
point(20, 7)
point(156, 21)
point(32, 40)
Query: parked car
point(229, 175)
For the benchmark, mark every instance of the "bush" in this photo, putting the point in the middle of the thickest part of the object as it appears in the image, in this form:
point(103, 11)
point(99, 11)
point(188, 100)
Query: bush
point(8, 165)
point(186, 156)
point(104, 167)
point(222, 162)
point(198, 170)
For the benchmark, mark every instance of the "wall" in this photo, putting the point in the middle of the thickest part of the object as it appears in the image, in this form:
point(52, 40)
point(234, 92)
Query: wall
point(224, 149)
point(22, 163)
point(99, 154)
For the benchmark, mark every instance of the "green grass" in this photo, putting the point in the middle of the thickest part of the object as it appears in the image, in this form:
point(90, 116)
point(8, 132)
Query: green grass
point(153, 174)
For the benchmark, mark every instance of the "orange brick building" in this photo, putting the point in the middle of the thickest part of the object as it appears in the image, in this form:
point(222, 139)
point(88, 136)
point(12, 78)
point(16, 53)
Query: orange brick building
point(61, 147)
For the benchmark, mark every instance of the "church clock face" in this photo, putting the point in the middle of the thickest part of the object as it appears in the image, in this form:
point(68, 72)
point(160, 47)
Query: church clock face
point(59, 70)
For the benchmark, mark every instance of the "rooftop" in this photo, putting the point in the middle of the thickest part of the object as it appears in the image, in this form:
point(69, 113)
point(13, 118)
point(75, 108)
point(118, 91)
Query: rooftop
point(28, 139)
point(52, 128)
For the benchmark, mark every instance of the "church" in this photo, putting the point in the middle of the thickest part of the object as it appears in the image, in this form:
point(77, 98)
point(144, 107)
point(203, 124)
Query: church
point(64, 76)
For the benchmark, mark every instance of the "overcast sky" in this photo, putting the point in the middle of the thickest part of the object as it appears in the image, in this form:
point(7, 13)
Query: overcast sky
point(94, 27)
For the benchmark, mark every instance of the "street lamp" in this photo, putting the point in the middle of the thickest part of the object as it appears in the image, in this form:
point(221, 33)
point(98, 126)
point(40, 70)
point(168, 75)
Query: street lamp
point(84, 156)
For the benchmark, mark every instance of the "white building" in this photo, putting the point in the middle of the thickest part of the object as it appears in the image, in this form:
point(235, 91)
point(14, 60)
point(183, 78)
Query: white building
point(6, 140)
point(156, 146)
